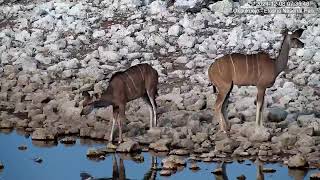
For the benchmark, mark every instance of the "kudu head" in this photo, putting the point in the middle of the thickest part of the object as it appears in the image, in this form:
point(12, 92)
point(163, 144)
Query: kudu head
point(87, 103)
point(294, 38)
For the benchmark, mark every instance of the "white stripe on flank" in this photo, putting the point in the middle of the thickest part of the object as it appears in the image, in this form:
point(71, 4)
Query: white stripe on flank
point(247, 65)
point(131, 80)
point(141, 73)
point(258, 65)
point(234, 68)
point(219, 67)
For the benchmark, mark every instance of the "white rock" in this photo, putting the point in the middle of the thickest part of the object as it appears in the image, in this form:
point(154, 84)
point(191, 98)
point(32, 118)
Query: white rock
point(22, 36)
point(70, 64)
point(181, 59)
point(157, 7)
point(79, 10)
point(110, 56)
point(98, 33)
point(300, 52)
point(131, 3)
point(224, 6)
point(174, 30)
point(27, 63)
point(188, 3)
point(44, 60)
point(186, 41)
point(190, 65)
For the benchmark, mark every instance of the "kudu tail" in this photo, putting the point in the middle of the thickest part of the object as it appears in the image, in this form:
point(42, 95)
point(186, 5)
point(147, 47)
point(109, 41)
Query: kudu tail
point(213, 86)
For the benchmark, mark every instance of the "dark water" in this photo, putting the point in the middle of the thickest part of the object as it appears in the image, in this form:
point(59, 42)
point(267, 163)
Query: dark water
point(68, 162)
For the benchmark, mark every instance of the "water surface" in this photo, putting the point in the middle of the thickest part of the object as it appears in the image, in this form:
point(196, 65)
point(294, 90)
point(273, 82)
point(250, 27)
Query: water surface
point(69, 162)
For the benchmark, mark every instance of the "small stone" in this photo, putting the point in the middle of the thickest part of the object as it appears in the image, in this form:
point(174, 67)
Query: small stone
point(242, 177)
point(169, 165)
point(218, 171)
point(179, 152)
point(68, 140)
point(194, 166)
point(177, 160)
point(22, 147)
point(207, 159)
point(129, 147)
point(111, 146)
point(160, 146)
point(38, 160)
point(268, 170)
point(94, 153)
point(165, 172)
point(277, 114)
point(1, 165)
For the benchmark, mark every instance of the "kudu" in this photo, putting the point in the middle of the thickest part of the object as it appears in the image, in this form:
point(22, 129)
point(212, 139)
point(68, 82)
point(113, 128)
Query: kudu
point(138, 81)
point(258, 70)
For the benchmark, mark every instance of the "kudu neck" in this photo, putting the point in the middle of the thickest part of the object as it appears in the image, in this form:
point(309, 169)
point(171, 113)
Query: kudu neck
point(282, 60)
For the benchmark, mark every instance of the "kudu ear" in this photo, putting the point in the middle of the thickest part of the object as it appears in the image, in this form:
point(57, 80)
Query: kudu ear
point(284, 32)
point(297, 43)
point(85, 94)
point(298, 33)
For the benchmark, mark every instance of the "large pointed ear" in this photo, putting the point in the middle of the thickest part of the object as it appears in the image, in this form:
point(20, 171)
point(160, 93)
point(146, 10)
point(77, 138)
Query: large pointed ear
point(284, 32)
point(297, 33)
point(87, 97)
point(85, 94)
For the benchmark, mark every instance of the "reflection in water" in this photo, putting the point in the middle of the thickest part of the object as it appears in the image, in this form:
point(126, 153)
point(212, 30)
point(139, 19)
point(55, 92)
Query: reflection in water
point(260, 175)
point(297, 174)
point(223, 175)
point(119, 173)
point(72, 160)
point(46, 144)
point(151, 174)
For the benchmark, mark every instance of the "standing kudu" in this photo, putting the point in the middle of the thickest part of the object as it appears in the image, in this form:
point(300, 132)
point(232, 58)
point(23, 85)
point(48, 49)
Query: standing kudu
point(249, 70)
point(137, 81)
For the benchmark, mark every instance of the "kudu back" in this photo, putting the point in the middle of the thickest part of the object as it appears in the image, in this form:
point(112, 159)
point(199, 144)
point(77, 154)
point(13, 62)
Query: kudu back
point(137, 81)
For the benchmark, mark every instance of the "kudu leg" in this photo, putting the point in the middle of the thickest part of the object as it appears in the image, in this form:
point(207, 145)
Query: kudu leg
point(122, 117)
point(152, 98)
point(148, 102)
point(260, 102)
point(220, 107)
point(114, 119)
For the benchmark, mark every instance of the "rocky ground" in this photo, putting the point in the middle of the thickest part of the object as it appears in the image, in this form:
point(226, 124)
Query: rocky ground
point(51, 51)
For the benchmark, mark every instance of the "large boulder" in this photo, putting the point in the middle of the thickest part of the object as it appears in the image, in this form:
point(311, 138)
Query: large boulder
point(276, 114)
point(44, 134)
point(254, 133)
point(226, 145)
point(186, 41)
point(225, 7)
point(161, 145)
point(6, 124)
point(129, 147)
point(177, 160)
point(285, 140)
point(297, 161)
point(174, 30)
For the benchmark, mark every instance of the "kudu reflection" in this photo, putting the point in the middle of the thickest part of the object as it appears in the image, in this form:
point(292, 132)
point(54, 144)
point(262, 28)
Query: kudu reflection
point(119, 173)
